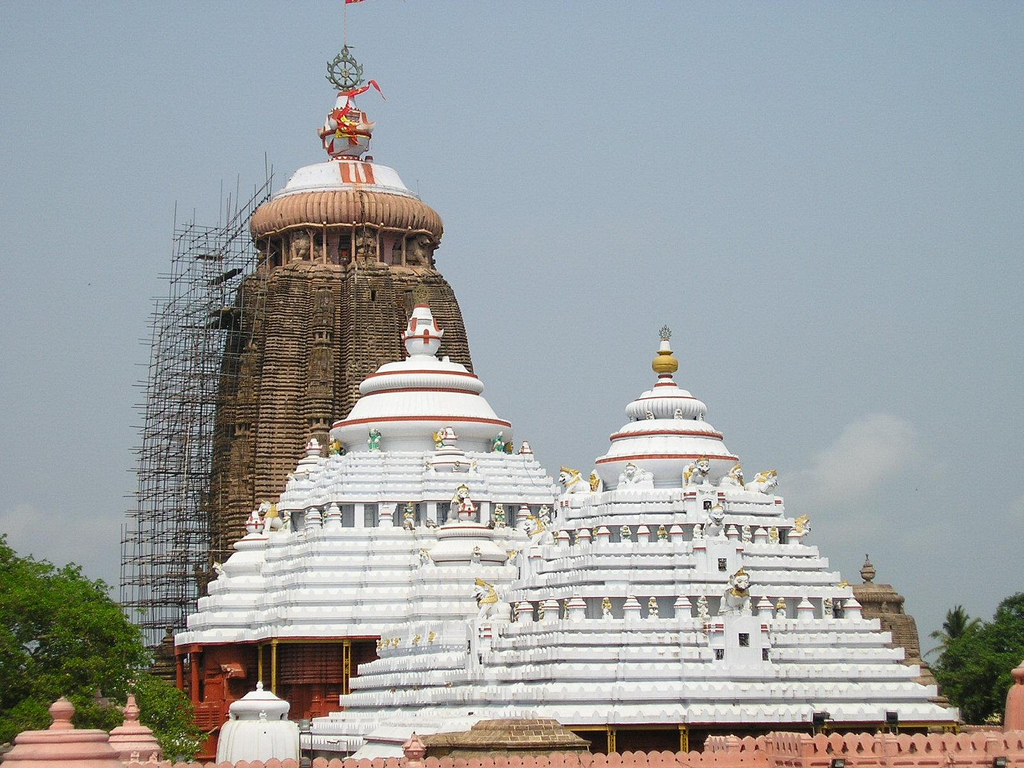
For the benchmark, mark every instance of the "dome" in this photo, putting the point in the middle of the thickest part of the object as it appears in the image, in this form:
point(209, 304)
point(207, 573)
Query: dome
point(345, 192)
point(666, 431)
point(409, 401)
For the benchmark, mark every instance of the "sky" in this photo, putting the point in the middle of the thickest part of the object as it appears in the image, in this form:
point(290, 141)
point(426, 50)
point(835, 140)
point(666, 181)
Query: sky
point(822, 200)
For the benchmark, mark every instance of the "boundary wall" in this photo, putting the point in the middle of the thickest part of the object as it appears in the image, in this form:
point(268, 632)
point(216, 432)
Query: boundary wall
point(775, 750)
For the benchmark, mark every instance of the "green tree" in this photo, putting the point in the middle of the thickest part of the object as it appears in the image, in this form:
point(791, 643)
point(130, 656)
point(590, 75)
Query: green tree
point(974, 666)
point(62, 635)
point(956, 625)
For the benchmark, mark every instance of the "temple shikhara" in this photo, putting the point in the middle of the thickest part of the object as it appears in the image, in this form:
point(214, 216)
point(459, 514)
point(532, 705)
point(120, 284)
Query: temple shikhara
point(391, 558)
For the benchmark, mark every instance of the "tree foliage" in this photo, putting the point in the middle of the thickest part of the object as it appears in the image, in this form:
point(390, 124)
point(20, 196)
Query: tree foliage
point(973, 668)
point(62, 635)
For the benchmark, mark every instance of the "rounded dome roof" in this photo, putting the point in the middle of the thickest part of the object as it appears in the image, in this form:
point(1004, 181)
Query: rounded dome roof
point(345, 191)
point(665, 432)
point(410, 400)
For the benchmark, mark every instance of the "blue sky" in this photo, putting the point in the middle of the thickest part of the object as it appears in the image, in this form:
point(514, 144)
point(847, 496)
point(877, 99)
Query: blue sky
point(824, 201)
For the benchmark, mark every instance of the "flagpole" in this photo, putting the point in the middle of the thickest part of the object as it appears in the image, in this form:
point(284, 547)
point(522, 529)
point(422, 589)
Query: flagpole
point(344, 22)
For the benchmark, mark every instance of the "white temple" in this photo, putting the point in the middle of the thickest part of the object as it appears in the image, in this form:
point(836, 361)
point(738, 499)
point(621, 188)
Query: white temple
point(411, 510)
point(667, 592)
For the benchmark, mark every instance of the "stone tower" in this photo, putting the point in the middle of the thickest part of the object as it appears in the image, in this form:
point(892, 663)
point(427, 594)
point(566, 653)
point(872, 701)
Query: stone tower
point(345, 252)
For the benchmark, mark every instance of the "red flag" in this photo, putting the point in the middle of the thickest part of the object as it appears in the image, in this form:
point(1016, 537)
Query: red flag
point(349, 2)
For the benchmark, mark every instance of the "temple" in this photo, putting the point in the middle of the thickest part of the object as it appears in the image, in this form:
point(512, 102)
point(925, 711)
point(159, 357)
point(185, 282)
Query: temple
point(417, 570)
point(420, 483)
point(345, 252)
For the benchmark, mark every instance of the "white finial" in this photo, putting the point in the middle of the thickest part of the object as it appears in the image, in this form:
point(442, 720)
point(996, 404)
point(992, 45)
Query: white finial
point(423, 335)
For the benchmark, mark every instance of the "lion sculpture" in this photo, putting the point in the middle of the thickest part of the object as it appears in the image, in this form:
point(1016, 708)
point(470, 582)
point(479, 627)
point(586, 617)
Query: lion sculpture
point(697, 472)
point(537, 529)
point(635, 477)
point(715, 528)
point(764, 482)
point(573, 481)
point(491, 606)
point(736, 598)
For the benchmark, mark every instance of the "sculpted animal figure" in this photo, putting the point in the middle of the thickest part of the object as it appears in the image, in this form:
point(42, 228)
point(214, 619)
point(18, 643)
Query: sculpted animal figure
point(537, 529)
point(764, 482)
point(572, 480)
point(715, 529)
point(802, 525)
point(736, 598)
point(632, 475)
point(697, 472)
point(491, 606)
point(734, 478)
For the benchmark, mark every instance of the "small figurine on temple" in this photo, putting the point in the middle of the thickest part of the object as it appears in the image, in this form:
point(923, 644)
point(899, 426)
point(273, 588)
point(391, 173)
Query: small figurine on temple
point(409, 516)
point(374, 439)
point(702, 608)
point(606, 608)
point(335, 448)
point(652, 608)
point(498, 444)
point(626, 533)
point(745, 534)
point(499, 516)
point(662, 533)
point(773, 535)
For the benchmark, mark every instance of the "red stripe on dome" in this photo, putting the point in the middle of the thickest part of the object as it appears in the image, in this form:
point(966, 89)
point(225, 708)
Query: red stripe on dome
point(687, 433)
point(444, 419)
point(423, 389)
point(435, 373)
point(644, 456)
point(662, 397)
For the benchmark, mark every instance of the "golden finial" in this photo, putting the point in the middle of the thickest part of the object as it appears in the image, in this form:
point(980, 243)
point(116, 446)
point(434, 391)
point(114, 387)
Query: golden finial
point(665, 362)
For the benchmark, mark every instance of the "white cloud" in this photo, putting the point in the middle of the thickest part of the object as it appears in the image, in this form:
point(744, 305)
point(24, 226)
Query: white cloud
point(867, 454)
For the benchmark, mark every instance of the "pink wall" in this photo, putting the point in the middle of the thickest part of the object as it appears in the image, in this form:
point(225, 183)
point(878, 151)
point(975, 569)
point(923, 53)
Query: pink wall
point(776, 750)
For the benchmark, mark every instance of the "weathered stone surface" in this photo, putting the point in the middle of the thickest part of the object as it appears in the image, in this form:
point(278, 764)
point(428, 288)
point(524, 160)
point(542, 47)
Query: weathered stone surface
point(308, 334)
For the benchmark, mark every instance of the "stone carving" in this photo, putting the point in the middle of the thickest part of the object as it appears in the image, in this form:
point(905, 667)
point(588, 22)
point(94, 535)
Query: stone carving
point(698, 531)
point(425, 558)
point(490, 605)
point(462, 506)
point(662, 533)
point(595, 482)
point(736, 598)
point(409, 516)
point(626, 533)
point(373, 441)
point(715, 528)
point(828, 607)
point(572, 480)
point(273, 521)
point(773, 535)
point(702, 608)
point(734, 478)
point(697, 472)
point(745, 534)
point(802, 525)
point(764, 482)
point(419, 250)
point(537, 529)
point(335, 448)
point(366, 244)
point(300, 246)
point(498, 443)
point(606, 608)
point(498, 519)
point(633, 476)
point(652, 608)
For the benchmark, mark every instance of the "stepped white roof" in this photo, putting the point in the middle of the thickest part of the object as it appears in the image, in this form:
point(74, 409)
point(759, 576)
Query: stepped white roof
point(366, 537)
point(677, 592)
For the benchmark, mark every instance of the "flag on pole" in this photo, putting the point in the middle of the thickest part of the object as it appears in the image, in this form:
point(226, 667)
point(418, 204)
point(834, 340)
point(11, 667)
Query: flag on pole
point(349, 2)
